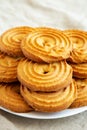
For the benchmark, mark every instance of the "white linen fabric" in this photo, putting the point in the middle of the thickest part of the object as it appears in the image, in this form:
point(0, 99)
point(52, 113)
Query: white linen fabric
point(60, 14)
point(5, 124)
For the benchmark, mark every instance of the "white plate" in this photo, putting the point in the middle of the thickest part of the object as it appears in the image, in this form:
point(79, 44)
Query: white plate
point(54, 115)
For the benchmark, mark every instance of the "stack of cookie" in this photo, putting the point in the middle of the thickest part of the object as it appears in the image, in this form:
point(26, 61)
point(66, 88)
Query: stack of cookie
point(78, 61)
point(34, 70)
point(10, 56)
point(45, 76)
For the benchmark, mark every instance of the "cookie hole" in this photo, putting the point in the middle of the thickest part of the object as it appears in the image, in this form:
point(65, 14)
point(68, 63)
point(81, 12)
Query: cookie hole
point(45, 72)
point(18, 92)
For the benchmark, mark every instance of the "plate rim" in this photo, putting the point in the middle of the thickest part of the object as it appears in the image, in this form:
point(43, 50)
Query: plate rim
point(54, 115)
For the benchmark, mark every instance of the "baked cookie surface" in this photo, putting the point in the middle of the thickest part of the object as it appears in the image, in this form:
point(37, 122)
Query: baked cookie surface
point(10, 41)
point(44, 77)
point(46, 45)
point(52, 101)
point(11, 99)
point(79, 70)
point(81, 99)
point(8, 68)
point(79, 44)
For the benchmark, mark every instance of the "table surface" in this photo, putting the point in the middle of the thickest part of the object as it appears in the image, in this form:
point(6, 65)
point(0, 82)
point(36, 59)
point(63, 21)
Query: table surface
point(11, 122)
point(60, 14)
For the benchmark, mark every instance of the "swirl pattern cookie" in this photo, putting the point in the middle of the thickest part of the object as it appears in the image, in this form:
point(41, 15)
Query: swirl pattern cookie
point(44, 77)
point(8, 68)
point(46, 45)
point(11, 99)
point(81, 99)
point(79, 70)
point(52, 101)
point(10, 41)
point(79, 42)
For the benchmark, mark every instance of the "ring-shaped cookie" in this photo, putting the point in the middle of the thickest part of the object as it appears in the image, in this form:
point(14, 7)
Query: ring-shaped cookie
point(79, 43)
point(10, 41)
point(81, 99)
point(44, 77)
point(52, 101)
point(8, 68)
point(46, 45)
point(11, 98)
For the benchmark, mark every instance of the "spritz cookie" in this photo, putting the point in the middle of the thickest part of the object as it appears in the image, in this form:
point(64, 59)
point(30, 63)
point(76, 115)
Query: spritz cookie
point(44, 77)
point(10, 41)
point(46, 45)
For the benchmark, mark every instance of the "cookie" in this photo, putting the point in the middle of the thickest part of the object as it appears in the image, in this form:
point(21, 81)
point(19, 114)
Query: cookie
point(79, 70)
point(8, 68)
point(46, 45)
point(44, 77)
point(10, 41)
point(81, 99)
point(50, 101)
point(11, 99)
point(79, 42)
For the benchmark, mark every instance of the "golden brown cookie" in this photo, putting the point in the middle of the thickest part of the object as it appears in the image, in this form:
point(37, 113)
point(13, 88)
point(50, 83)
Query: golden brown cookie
point(79, 42)
point(81, 99)
point(8, 68)
point(10, 40)
point(79, 70)
point(44, 77)
point(46, 45)
point(52, 101)
point(11, 99)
